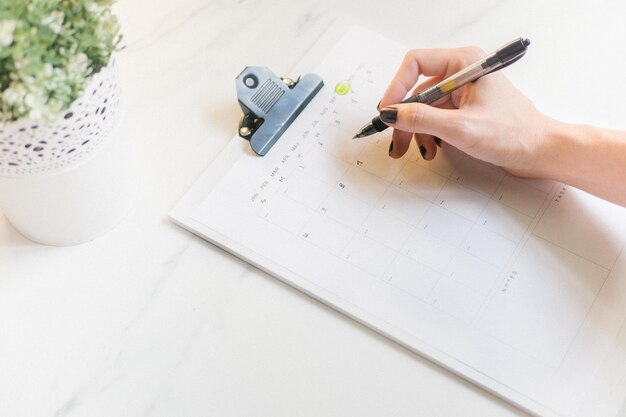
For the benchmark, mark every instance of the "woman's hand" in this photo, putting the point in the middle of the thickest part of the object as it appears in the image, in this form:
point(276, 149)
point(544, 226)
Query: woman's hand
point(490, 119)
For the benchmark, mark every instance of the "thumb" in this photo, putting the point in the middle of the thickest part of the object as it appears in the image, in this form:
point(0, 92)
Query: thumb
point(422, 118)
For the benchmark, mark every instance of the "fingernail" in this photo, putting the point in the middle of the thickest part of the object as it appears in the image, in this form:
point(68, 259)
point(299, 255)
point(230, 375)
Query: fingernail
point(389, 114)
point(423, 151)
point(378, 105)
point(438, 141)
point(390, 148)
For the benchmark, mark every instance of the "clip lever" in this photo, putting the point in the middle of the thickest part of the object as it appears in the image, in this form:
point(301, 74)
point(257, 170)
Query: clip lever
point(270, 104)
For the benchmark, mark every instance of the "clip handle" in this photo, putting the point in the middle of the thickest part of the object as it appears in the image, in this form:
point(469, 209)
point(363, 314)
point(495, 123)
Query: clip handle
point(270, 104)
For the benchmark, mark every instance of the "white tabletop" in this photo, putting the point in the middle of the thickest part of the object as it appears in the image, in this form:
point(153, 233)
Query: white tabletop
point(149, 320)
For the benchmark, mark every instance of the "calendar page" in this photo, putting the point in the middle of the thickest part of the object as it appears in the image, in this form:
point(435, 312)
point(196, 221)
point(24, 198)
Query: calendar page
point(516, 284)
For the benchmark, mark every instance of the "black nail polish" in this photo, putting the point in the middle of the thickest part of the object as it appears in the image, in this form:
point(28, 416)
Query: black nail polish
point(389, 114)
point(437, 141)
point(423, 151)
point(390, 148)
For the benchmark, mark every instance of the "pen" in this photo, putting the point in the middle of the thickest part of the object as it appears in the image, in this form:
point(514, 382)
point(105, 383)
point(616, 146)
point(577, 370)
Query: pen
point(501, 58)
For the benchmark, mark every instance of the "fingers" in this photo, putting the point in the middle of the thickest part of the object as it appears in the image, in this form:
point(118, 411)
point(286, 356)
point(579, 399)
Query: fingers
point(424, 121)
point(422, 118)
point(426, 145)
point(400, 142)
point(429, 62)
point(404, 139)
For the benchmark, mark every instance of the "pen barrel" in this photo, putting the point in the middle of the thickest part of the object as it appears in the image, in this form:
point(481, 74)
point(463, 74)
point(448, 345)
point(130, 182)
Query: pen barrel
point(428, 96)
point(447, 86)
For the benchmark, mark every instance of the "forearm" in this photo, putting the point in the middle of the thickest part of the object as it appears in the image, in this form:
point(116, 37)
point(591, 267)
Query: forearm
point(588, 158)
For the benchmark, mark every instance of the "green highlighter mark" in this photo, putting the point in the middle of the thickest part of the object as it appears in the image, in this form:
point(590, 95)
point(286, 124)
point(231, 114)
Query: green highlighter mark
point(342, 88)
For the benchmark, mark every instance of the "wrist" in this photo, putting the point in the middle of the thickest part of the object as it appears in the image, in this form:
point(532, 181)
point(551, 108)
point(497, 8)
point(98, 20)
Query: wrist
point(563, 147)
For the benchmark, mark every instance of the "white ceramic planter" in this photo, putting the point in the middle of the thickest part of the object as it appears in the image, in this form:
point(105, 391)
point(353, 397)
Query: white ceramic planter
point(69, 182)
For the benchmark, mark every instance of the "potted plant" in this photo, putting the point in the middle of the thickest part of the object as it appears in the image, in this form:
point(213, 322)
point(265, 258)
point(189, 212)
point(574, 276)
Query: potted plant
point(64, 173)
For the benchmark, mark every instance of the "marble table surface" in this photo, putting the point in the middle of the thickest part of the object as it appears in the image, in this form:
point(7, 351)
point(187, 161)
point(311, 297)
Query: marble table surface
point(150, 320)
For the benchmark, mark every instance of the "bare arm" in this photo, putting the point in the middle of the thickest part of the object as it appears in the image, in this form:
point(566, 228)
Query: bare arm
point(586, 157)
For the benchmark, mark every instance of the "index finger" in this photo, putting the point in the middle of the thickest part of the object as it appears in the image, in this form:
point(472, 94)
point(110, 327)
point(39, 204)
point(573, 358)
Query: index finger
point(429, 62)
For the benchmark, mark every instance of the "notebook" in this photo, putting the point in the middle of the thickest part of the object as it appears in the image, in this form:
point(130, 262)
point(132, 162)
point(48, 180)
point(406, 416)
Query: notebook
point(516, 285)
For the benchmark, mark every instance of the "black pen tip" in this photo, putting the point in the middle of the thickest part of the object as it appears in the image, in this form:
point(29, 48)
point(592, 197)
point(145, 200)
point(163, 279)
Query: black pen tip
point(526, 42)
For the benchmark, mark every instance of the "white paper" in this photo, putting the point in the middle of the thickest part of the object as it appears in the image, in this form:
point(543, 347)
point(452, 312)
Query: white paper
point(508, 282)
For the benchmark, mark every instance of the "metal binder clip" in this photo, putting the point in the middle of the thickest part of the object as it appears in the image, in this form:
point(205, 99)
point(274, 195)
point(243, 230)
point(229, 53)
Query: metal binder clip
point(270, 104)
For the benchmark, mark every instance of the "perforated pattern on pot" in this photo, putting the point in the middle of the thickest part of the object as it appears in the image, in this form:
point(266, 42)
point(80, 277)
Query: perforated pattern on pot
point(29, 147)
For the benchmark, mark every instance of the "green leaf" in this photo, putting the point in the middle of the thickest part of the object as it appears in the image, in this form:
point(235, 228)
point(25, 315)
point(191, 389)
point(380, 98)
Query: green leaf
point(45, 34)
